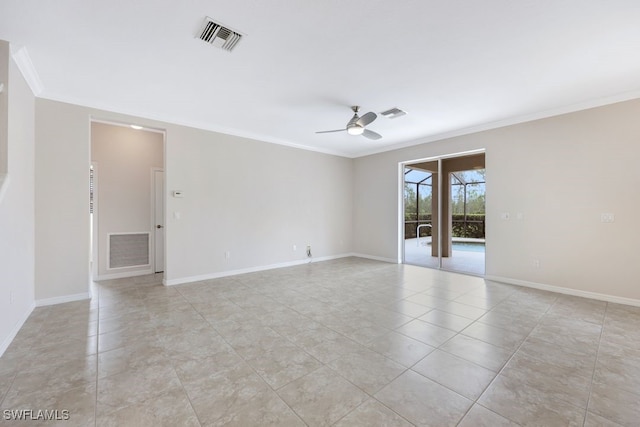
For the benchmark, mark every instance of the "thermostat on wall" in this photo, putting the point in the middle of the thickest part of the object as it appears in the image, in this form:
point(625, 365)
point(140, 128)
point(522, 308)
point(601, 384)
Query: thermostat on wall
point(177, 193)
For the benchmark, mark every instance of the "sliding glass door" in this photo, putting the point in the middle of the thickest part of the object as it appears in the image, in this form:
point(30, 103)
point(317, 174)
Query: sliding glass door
point(420, 204)
point(444, 220)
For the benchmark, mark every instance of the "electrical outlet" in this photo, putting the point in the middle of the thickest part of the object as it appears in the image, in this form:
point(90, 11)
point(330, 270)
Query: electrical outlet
point(295, 248)
point(536, 263)
point(308, 251)
point(607, 217)
point(227, 255)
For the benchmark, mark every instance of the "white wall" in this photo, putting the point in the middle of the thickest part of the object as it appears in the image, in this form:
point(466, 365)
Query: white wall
point(125, 159)
point(62, 202)
point(561, 173)
point(247, 197)
point(254, 200)
point(4, 108)
point(17, 209)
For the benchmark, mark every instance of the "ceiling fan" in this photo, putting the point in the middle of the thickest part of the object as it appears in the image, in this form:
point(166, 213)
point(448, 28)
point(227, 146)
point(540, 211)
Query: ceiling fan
point(356, 126)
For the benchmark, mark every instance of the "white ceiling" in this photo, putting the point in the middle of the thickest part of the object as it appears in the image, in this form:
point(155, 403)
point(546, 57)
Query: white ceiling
point(454, 65)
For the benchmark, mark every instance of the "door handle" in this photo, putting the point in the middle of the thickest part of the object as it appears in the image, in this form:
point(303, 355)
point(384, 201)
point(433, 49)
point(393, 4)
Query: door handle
point(159, 226)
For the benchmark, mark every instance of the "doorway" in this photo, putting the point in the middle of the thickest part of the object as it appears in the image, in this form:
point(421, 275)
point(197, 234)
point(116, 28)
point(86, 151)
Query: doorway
point(128, 200)
point(444, 219)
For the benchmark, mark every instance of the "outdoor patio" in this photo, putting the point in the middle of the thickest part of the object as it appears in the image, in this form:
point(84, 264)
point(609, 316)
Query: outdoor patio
point(462, 261)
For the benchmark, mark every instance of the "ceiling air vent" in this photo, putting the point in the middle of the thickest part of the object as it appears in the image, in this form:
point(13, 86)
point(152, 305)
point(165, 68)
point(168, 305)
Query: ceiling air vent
point(393, 113)
point(218, 35)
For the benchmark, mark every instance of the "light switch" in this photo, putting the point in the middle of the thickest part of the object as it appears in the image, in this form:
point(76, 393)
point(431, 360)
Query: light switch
point(504, 215)
point(177, 193)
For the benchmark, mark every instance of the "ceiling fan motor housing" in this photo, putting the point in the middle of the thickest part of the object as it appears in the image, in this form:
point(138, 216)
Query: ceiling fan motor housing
point(354, 128)
point(357, 124)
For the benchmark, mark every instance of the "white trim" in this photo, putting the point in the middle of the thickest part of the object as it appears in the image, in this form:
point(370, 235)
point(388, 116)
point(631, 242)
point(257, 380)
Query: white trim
point(594, 103)
point(439, 214)
point(554, 112)
point(25, 65)
point(123, 275)
point(400, 213)
point(127, 125)
point(4, 184)
point(435, 158)
point(227, 273)
point(154, 221)
point(16, 328)
point(197, 124)
point(566, 291)
point(62, 299)
point(95, 247)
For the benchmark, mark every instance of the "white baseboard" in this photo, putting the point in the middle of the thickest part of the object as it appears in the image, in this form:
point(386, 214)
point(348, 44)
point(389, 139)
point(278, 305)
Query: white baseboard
point(376, 258)
point(16, 328)
point(123, 275)
point(62, 299)
point(228, 273)
point(566, 291)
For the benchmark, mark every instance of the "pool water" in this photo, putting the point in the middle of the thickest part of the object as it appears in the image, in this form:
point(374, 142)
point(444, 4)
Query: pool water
point(468, 246)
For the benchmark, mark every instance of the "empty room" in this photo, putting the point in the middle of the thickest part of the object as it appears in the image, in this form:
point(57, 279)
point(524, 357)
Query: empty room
point(318, 214)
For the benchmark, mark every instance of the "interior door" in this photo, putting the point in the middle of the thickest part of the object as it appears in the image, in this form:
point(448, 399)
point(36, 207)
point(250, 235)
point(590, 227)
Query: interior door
point(158, 215)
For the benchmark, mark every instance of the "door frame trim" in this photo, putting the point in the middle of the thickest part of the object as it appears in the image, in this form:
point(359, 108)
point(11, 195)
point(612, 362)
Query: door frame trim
point(153, 215)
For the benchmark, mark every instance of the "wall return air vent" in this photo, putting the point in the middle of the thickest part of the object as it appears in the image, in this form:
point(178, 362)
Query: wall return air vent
point(219, 35)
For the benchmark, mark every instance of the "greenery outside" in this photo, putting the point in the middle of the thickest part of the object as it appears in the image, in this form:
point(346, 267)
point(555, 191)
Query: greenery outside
point(467, 205)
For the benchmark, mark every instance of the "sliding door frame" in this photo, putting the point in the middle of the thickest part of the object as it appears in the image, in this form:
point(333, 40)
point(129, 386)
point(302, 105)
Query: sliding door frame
point(438, 215)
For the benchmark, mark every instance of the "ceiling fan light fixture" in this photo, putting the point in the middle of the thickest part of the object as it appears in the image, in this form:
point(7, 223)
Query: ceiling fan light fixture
point(358, 125)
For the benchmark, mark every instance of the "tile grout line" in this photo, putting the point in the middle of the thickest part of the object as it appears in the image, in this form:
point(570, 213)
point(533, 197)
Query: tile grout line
point(329, 367)
point(243, 358)
point(431, 309)
point(276, 318)
point(95, 409)
point(595, 365)
point(410, 368)
point(475, 402)
point(184, 390)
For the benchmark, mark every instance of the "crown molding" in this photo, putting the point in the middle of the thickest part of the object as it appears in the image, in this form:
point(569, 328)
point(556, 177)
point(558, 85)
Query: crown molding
point(525, 118)
point(23, 61)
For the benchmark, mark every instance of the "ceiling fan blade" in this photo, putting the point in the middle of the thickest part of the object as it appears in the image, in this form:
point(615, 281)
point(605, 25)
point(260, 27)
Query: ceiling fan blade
point(329, 131)
point(371, 134)
point(366, 119)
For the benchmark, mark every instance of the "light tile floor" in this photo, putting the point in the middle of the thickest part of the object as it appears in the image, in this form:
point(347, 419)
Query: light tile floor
point(350, 342)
